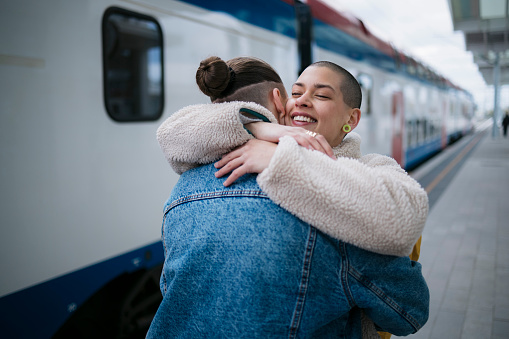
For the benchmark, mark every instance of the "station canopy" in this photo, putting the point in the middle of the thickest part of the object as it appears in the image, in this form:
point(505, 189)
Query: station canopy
point(486, 27)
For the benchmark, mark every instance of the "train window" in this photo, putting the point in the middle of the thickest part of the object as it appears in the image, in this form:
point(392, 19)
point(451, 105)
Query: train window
point(415, 130)
point(366, 83)
point(132, 66)
point(433, 129)
point(410, 113)
point(411, 66)
point(409, 131)
point(424, 129)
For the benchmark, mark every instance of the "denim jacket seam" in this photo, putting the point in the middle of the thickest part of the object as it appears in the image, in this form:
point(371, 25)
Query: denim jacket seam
point(163, 276)
point(304, 283)
point(202, 196)
point(213, 195)
point(345, 267)
point(384, 297)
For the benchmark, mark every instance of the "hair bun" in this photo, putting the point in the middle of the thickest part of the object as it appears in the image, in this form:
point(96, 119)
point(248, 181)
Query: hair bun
point(213, 76)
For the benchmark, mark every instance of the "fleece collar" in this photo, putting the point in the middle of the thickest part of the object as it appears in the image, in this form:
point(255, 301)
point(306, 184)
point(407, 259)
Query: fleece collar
point(350, 147)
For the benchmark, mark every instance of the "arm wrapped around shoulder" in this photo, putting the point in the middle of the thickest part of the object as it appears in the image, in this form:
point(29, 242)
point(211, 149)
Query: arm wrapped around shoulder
point(369, 202)
point(201, 134)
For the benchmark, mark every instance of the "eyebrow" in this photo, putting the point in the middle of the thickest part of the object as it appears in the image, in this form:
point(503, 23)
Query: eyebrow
point(317, 86)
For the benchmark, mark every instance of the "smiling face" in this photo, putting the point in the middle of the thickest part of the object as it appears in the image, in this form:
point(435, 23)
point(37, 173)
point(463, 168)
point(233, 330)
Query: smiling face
point(316, 104)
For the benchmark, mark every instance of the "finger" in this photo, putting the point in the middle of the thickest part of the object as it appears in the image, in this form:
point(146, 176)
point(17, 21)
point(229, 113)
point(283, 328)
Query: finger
point(235, 175)
point(227, 158)
point(325, 146)
point(316, 145)
point(304, 140)
point(229, 167)
point(319, 143)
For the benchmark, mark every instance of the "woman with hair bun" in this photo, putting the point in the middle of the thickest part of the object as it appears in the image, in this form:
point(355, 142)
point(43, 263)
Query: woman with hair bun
point(243, 90)
point(367, 202)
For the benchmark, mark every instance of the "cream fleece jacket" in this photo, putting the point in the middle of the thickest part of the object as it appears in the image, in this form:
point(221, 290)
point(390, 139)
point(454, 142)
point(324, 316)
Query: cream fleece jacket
point(368, 201)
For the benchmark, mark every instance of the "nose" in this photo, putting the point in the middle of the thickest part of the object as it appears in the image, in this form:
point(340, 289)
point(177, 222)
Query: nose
point(303, 101)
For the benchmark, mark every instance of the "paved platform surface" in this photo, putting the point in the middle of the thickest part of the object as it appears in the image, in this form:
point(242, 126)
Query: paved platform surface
point(465, 249)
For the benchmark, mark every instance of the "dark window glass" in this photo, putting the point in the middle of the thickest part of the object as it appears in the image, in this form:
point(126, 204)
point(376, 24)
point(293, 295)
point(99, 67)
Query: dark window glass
point(366, 83)
point(409, 126)
point(133, 66)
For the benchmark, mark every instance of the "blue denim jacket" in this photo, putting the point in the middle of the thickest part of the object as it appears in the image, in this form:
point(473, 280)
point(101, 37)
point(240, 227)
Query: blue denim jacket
point(238, 266)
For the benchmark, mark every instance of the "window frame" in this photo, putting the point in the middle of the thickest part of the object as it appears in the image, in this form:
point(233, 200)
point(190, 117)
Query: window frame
point(105, 63)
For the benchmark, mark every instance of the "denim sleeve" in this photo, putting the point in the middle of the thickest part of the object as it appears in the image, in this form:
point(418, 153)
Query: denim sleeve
point(391, 290)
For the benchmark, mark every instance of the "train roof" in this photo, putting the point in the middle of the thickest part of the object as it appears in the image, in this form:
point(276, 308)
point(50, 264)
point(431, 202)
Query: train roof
point(350, 24)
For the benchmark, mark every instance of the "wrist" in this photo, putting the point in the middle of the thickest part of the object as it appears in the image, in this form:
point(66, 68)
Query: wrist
point(253, 128)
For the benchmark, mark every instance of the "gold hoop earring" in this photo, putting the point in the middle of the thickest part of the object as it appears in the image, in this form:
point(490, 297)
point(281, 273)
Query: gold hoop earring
point(347, 128)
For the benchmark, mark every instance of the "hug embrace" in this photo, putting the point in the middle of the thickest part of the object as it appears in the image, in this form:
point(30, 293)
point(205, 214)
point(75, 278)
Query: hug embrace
point(306, 237)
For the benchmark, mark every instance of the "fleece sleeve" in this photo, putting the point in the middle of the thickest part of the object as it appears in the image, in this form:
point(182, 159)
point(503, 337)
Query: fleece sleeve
point(371, 203)
point(200, 134)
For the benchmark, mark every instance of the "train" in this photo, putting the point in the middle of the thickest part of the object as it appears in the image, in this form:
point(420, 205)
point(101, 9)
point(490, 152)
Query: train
point(84, 86)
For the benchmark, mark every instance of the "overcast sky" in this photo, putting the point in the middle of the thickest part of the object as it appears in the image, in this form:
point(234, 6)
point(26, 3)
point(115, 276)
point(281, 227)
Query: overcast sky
point(423, 29)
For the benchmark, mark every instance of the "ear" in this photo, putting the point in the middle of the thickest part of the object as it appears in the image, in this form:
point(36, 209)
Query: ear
point(278, 102)
point(355, 116)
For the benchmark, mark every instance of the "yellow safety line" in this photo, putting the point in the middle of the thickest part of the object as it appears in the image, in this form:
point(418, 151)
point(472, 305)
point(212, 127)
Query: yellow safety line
point(453, 163)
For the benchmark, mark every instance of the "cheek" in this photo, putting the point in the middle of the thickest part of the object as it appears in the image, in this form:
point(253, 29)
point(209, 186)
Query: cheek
point(331, 130)
point(289, 105)
point(332, 123)
point(331, 116)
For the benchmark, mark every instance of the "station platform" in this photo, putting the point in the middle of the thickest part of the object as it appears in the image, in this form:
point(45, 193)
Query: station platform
point(465, 244)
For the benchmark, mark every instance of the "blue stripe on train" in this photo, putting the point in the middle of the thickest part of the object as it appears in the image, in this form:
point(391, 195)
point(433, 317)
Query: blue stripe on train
point(416, 155)
point(276, 16)
point(39, 311)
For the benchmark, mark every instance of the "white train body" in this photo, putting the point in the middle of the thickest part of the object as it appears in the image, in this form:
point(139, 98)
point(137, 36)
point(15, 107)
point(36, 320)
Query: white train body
point(83, 180)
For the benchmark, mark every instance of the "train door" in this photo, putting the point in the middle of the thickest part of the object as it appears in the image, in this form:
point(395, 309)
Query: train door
point(398, 121)
point(304, 34)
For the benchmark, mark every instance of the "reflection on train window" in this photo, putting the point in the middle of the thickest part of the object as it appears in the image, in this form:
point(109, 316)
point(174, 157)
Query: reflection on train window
point(418, 134)
point(132, 66)
point(366, 82)
point(424, 129)
point(435, 129)
point(409, 133)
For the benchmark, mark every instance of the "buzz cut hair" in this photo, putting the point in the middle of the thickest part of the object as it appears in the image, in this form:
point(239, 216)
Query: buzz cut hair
point(349, 86)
